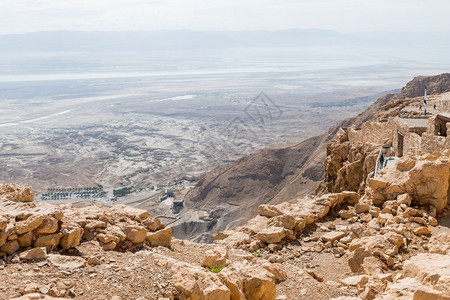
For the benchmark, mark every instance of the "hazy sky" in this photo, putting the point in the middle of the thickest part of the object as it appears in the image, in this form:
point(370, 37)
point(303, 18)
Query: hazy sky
point(18, 16)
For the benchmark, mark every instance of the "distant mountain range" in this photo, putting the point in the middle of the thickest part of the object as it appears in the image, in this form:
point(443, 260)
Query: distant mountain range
point(184, 39)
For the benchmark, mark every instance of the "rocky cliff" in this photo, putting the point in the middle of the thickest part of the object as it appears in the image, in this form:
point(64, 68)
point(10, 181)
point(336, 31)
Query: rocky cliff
point(348, 164)
point(232, 193)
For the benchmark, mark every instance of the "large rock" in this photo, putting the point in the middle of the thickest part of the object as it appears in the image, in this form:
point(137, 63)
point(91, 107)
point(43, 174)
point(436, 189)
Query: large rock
point(34, 254)
point(3, 222)
point(15, 192)
point(427, 293)
point(49, 225)
point(430, 268)
point(269, 210)
point(10, 247)
point(29, 224)
point(212, 286)
point(234, 283)
point(258, 282)
point(186, 285)
point(25, 240)
point(215, 257)
point(276, 270)
point(66, 262)
point(440, 243)
point(425, 277)
point(333, 236)
point(152, 224)
point(160, 238)
point(71, 236)
point(49, 241)
point(271, 235)
point(427, 182)
point(7, 232)
point(136, 234)
point(133, 213)
point(258, 285)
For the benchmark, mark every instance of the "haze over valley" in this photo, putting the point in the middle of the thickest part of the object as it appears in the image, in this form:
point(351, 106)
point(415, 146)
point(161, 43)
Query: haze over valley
point(82, 109)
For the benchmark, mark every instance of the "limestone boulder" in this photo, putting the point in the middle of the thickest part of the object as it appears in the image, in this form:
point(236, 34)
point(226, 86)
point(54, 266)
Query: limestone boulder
point(49, 241)
point(212, 287)
point(259, 285)
point(422, 230)
point(37, 296)
point(186, 284)
point(129, 212)
point(276, 270)
point(440, 243)
point(25, 239)
point(333, 236)
point(357, 281)
point(215, 257)
point(3, 222)
point(71, 236)
point(6, 233)
point(152, 224)
point(135, 233)
point(270, 211)
point(234, 283)
point(66, 262)
point(430, 268)
point(10, 247)
point(271, 235)
point(94, 225)
point(427, 293)
point(17, 193)
point(34, 254)
point(161, 237)
point(29, 224)
point(426, 182)
point(362, 208)
point(285, 221)
point(48, 225)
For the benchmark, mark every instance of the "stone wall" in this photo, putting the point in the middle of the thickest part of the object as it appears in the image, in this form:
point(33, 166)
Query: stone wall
point(416, 141)
point(372, 132)
point(431, 142)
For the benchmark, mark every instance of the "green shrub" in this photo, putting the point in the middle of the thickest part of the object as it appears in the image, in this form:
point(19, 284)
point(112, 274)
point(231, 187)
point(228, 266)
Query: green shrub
point(215, 269)
point(257, 254)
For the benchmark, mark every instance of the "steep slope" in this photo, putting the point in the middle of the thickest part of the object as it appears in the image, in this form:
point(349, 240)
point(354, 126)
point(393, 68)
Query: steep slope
point(231, 193)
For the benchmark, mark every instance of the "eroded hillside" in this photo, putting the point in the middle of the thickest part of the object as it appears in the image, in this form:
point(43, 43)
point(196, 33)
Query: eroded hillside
point(230, 194)
point(378, 228)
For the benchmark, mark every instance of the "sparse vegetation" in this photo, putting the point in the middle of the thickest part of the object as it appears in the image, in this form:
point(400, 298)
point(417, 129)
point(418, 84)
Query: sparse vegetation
point(215, 269)
point(257, 254)
point(122, 192)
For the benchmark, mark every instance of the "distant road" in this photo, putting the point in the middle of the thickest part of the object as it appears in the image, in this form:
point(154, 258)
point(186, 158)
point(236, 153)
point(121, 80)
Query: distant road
point(35, 119)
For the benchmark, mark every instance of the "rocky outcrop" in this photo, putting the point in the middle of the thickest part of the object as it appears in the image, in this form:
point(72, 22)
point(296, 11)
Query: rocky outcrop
point(435, 85)
point(240, 280)
point(424, 179)
point(17, 193)
point(347, 165)
point(24, 224)
point(425, 276)
point(282, 223)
